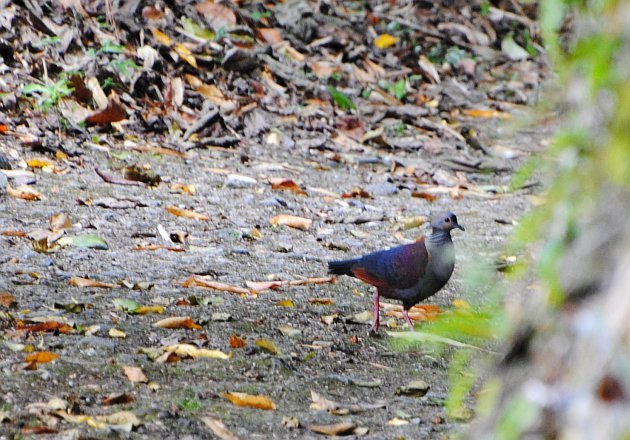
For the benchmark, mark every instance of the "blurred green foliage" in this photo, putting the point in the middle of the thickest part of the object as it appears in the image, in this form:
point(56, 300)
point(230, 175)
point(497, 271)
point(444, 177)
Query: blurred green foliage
point(590, 154)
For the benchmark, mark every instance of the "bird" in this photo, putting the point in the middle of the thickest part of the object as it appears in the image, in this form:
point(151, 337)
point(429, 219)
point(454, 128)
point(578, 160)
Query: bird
point(409, 273)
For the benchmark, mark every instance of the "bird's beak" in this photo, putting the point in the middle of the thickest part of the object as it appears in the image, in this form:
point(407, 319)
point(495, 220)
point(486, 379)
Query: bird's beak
point(458, 226)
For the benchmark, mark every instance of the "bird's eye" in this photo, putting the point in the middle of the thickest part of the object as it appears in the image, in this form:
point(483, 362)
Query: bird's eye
point(447, 220)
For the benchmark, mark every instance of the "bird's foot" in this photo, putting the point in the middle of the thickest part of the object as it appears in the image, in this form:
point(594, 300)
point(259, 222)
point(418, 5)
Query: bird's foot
point(406, 315)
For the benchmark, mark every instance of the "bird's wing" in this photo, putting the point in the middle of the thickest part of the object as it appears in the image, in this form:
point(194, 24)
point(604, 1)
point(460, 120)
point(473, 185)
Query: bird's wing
point(400, 268)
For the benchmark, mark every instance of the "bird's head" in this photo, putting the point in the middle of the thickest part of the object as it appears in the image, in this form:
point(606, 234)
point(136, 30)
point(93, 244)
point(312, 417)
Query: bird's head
point(445, 221)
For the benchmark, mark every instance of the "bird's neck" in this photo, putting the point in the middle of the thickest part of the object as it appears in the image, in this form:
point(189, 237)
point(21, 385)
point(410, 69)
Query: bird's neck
point(438, 237)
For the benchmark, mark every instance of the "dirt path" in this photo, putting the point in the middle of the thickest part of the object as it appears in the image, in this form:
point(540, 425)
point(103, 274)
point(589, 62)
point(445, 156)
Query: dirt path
point(336, 360)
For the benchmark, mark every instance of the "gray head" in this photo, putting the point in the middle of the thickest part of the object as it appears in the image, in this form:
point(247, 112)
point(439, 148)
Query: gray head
point(445, 221)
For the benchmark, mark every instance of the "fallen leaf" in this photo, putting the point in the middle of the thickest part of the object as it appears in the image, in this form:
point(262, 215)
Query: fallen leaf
point(6, 299)
point(41, 357)
point(279, 183)
point(40, 163)
point(250, 401)
point(291, 221)
point(118, 399)
point(289, 331)
point(114, 112)
point(263, 286)
point(384, 41)
point(13, 234)
point(321, 301)
point(47, 326)
point(267, 345)
point(188, 350)
point(285, 303)
point(486, 113)
point(237, 342)
point(89, 241)
point(185, 54)
point(198, 281)
point(59, 222)
point(177, 322)
point(218, 428)
point(357, 192)
point(179, 212)
point(135, 374)
point(115, 333)
point(24, 192)
point(461, 303)
point(86, 282)
point(334, 430)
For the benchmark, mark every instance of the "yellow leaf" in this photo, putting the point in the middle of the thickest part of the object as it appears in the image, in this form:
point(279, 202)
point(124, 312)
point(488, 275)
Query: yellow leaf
point(144, 310)
point(486, 113)
point(40, 163)
point(186, 54)
point(188, 350)
point(251, 401)
point(285, 303)
point(186, 213)
point(161, 37)
point(42, 357)
point(115, 333)
point(383, 41)
point(267, 345)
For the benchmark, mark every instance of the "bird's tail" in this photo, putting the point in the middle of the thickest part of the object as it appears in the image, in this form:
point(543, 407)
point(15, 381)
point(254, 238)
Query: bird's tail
point(341, 267)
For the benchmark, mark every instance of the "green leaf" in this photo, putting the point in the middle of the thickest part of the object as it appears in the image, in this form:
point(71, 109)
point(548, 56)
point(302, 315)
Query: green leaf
point(29, 89)
point(198, 31)
point(126, 305)
point(91, 241)
point(341, 99)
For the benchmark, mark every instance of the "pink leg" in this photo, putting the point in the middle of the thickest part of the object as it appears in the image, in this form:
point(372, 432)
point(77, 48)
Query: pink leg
point(406, 315)
point(375, 322)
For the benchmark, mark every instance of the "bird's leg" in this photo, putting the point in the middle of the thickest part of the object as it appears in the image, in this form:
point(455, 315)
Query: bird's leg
point(375, 322)
point(406, 315)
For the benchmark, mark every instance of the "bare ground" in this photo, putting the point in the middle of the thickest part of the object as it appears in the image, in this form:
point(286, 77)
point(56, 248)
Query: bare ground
point(333, 360)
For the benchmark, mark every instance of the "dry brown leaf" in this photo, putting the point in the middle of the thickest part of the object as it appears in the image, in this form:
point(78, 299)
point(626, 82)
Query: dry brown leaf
point(59, 222)
point(135, 374)
point(334, 430)
point(320, 280)
point(218, 16)
point(41, 357)
point(24, 192)
point(6, 299)
point(13, 234)
point(48, 326)
point(486, 113)
point(292, 221)
point(177, 322)
point(237, 342)
point(114, 112)
point(118, 399)
point(86, 282)
point(198, 281)
point(263, 286)
point(270, 35)
point(218, 428)
point(250, 401)
point(357, 192)
point(280, 183)
point(179, 212)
